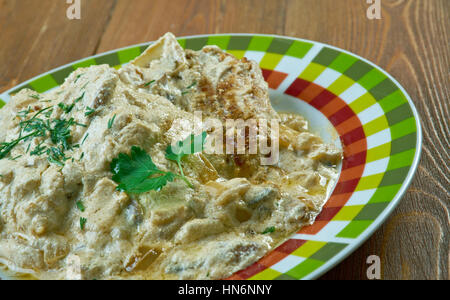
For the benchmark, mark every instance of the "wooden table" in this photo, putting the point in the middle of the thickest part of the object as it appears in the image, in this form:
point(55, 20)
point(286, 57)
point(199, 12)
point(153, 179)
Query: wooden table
point(411, 41)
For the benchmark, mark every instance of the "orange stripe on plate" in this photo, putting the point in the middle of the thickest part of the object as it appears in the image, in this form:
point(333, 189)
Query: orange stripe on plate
point(352, 173)
point(314, 228)
point(311, 92)
point(275, 79)
point(338, 200)
point(348, 125)
point(272, 258)
point(333, 107)
point(355, 148)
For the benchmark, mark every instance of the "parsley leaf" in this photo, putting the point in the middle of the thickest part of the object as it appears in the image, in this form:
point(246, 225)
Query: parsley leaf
point(149, 83)
point(135, 174)
point(82, 223)
point(80, 206)
point(192, 144)
point(111, 122)
point(269, 230)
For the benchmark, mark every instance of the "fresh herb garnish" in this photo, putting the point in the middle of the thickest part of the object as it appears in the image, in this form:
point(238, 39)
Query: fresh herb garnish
point(41, 126)
point(78, 77)
point(37, 97)
point(66, 108)
point(89, 111)
point(269, 230)
point(82, 223)
point(137, 173)
point(84, 139)
point(148, 83)
point(192, 144)
point(80, 206)
point(111, 122)
point(80, 98)
point(188, 89)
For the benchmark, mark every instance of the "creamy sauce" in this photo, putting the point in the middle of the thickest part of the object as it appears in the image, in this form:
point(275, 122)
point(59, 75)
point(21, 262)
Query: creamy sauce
point(207, 232)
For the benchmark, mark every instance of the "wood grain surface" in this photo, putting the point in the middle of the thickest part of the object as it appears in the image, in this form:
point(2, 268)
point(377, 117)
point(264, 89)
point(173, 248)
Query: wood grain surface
point(411, 42)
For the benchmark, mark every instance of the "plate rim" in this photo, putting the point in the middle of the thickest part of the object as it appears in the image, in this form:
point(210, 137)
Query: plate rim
point(381, 218)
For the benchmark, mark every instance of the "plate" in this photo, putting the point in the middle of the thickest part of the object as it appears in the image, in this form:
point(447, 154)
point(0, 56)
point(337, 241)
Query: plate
point(348, 100)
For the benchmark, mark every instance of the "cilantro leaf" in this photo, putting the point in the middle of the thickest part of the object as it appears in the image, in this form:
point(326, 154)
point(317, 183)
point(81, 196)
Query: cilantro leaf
point(136, 173)
point(192, 144)
point(269, 230)
point(82, 223)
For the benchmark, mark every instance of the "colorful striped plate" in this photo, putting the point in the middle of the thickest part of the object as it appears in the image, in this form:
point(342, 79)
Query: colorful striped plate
point(373, 118)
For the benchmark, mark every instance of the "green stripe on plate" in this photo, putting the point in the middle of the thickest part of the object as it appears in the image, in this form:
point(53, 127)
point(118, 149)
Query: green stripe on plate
point(312, 71)
point(362, 103)
point(403, 128)
point(372, 79)
point(280, 46)
point(375, 126)
point(378, 152)
point(383, 89)
point(267, 274)
point(220, 41)
point(385, 193)
point(394, 177)
point(299, 49)
point(404, 143)
point(358, 70)
point(354, 229)
point(2, 103)
point(239, 42)
point(326, 56)
point(285, 277)
point(44, 83)
point(399, 114)
point(17, 90)
point(260, 43)
point(343, 62)
point(371, 211)
point(305, 268)
point(340, 85)
point(196, 43)
point(328, 251)
point(62, 74)
point(111, 59)
point(85, 63)
point(129, 54)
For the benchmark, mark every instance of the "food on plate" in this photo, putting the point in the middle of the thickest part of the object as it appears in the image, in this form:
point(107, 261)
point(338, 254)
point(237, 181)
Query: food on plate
point(96, 180)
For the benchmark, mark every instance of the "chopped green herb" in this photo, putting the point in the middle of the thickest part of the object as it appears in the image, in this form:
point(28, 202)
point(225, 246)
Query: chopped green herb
point(82, 223)
point(111, 122)
point(66, 108)
point(137, 173)
point(16, 158)
point(81, 157)
point(89, 111)
point(187, 90)
point(84, 139)
point(78, 77)
point(80, 98)
point(80, 206)
point(37, 97)
point(149, 83)
point(269, 230)
point(192, 144)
